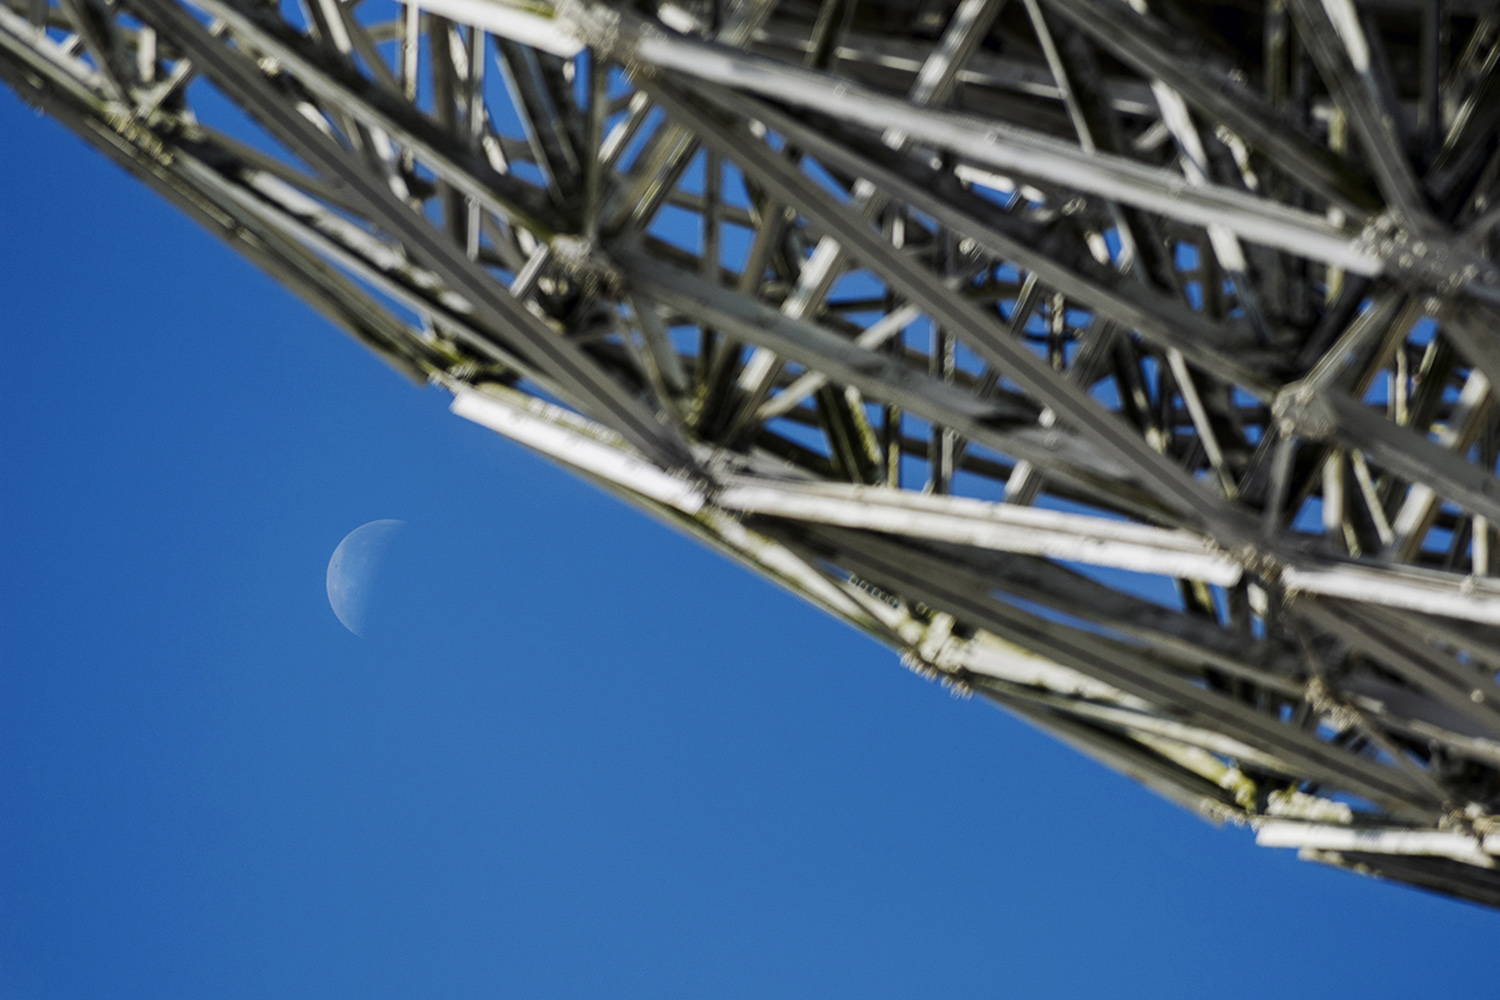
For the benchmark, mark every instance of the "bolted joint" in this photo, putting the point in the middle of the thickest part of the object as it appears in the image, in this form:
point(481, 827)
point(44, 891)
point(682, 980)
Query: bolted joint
point(1328, 704)
point(954, 682)
point(913, 661)
point(1429, 259)
point(602, 29)
point(1260, 562)
point(1302, 409)
point(586, 263)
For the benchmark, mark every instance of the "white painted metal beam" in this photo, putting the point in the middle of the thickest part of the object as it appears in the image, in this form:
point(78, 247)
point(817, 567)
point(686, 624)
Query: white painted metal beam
point(1012, 148)
point(1454, 844)
point(1094, 541)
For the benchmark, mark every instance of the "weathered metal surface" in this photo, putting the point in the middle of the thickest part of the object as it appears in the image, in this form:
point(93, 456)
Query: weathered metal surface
point(1129, 363)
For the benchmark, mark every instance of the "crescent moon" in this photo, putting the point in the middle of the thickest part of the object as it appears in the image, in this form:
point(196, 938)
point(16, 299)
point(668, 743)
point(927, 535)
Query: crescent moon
point(353, 568)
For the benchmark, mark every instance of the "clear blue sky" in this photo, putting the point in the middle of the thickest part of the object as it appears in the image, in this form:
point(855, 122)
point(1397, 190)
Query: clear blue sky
point(578, 756)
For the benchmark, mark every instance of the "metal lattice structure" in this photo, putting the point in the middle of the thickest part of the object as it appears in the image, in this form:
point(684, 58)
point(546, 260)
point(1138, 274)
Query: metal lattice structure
point(1131, 363)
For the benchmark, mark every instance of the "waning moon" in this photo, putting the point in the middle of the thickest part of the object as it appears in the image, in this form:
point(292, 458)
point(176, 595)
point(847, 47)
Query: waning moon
point(353, 568)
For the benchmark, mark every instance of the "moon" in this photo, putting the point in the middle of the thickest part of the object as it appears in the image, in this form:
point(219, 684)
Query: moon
point(353, 568)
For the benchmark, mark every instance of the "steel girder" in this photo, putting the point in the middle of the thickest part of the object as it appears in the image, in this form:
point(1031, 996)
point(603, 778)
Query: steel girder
point(1130, 363)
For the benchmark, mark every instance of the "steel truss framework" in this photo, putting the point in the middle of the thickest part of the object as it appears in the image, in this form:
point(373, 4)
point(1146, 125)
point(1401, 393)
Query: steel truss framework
point(1130, 363)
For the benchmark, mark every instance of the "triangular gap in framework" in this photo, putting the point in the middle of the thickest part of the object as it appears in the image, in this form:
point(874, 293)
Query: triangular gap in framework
point(1254, 115)
point(1458, 411)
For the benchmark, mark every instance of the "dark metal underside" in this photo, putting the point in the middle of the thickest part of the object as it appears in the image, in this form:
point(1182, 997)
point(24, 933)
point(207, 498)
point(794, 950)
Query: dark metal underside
point(1131, 363)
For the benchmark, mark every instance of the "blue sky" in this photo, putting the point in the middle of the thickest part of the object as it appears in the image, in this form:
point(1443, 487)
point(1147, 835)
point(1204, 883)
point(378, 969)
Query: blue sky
point(577, 756)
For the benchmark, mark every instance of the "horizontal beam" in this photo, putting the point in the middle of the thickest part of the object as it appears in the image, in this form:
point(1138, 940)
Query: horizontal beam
point(1225, 351)
point(540, 426)
point(922, 575)
point(1094, 541)
point(525, 25)
point(1108, 433)
point(962, 521)
point(1449, 594)
point(1008, 147)
point(1455, 844)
